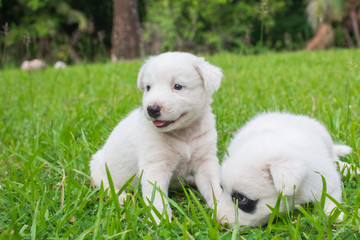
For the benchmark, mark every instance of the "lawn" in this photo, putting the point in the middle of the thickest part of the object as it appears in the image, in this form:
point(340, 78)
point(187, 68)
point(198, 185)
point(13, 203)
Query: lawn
point(52, 121)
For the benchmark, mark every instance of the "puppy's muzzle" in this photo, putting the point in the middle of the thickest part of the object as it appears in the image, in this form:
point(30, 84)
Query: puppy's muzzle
point(154, 111)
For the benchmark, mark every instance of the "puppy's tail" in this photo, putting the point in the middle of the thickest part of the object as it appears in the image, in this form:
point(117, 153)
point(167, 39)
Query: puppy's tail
point(342, 150)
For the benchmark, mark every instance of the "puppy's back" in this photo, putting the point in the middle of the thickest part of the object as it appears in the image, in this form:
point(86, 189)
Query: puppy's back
point(282, 123)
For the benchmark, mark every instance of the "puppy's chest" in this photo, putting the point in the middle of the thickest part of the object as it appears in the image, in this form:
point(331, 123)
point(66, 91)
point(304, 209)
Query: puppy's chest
point(187, 157)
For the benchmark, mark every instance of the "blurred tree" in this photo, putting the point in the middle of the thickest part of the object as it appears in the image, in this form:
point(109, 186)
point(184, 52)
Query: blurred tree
point(290, 30)
point(73, 17)
point(323, 13)
point(84, 30)
point(208, 25)
point(352, 7)
point(33, 26)
point(125, 41)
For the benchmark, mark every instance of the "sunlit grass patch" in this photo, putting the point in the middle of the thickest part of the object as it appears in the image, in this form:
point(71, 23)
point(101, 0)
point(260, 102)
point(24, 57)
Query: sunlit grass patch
point(52, 121)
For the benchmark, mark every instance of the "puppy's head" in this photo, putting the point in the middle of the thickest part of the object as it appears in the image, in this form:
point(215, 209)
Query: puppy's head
point(177, 88)
point(253, 178)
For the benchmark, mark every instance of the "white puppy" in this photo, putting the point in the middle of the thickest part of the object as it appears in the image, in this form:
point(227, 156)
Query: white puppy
point(277, 152)
point(171, 136)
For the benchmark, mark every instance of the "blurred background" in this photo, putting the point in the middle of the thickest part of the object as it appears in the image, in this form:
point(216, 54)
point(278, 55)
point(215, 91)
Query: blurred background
point(77, 31)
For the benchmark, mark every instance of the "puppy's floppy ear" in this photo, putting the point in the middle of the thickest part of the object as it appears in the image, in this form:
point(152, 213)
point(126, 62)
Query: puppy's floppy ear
point(140, 78)
point(286, 175)
point(210, 74)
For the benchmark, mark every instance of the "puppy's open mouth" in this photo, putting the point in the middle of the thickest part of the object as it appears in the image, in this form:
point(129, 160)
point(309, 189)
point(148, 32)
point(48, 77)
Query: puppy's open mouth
point(162, 124)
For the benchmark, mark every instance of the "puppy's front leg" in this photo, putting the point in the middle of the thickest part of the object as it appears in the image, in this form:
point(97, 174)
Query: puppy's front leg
point(156, 175)
point(207, 178)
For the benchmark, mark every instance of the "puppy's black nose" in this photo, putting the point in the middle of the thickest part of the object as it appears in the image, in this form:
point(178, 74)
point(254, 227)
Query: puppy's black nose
point(154, 111)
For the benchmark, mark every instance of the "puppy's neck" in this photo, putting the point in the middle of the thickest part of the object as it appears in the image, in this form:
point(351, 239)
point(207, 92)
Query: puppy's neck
point(196, 128)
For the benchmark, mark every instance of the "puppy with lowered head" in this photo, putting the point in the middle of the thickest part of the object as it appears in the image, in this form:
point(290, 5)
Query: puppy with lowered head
point(277, 152)
point(171, 136)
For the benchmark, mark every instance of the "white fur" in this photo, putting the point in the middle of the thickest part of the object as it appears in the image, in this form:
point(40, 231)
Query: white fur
point(34, 64)
point(277, 152)
point(186, 148)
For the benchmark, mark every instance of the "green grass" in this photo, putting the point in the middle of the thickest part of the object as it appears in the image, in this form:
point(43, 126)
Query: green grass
point(52, 121)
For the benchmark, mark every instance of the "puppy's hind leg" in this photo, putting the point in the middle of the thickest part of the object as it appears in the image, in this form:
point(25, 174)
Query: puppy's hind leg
point(123, 194)
point(127, 188)
point(345, 168)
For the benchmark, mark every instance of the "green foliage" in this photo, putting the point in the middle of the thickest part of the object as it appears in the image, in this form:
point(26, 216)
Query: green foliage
point(210, 25)
point(337, 13)
point(52, 121)
point(46, 28)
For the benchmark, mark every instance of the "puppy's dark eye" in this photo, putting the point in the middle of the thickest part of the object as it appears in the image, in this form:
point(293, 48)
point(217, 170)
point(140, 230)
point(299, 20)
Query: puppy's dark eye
point(178, 87)
point(147, 88)
point(244, 203)
point(241, 198)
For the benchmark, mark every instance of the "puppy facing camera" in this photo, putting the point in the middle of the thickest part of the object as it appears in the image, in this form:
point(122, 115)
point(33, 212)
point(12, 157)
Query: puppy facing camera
point(171, 136)
point(273, 153)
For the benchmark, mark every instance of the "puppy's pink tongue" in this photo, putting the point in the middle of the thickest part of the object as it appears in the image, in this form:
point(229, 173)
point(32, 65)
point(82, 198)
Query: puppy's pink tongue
point(159, 123)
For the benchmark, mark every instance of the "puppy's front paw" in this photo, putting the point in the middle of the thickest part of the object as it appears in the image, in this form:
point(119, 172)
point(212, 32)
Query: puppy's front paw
point(164, 217)
point(214, 196)
point(122, 198)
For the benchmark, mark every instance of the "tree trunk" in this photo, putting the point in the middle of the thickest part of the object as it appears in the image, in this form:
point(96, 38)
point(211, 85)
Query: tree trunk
point(355, 25)
point(125, 39)
point(348, 38)
point(323, 39)
point(73, 41)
